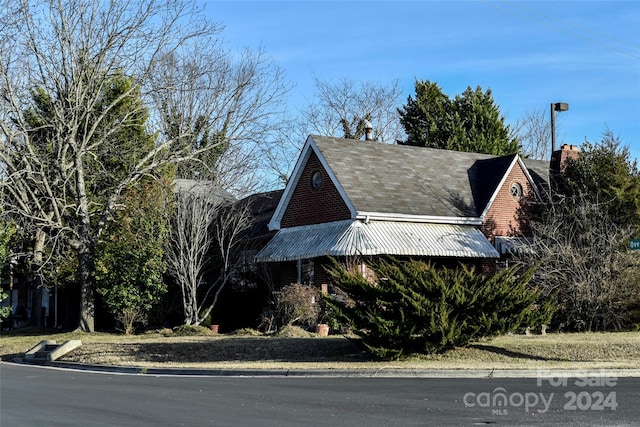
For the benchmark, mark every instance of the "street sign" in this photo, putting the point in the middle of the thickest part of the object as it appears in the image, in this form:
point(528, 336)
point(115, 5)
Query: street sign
point(635, 244)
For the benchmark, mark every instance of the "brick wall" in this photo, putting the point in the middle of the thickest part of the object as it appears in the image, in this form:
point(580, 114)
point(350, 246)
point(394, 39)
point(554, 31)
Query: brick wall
point(507, 215)
point(309, 206)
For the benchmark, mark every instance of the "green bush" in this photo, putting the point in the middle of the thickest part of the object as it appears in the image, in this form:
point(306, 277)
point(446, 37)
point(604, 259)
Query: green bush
point(5, 311)
point(190, 330)
point(206, 320)
point(415, 307)
point(6, 232)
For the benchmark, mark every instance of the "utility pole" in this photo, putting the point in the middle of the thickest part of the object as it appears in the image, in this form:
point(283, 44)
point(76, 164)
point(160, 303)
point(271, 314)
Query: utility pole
point(559, 107)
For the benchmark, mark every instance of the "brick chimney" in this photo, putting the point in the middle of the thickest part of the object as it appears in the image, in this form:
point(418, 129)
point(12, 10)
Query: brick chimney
point(559, 157)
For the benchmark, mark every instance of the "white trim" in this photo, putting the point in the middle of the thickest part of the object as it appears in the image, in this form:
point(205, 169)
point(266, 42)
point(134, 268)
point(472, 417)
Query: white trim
point(305, 153)
point(381, 216)
point(529, 177)
point(334, 180)
point(517, 159)
point(309, 147)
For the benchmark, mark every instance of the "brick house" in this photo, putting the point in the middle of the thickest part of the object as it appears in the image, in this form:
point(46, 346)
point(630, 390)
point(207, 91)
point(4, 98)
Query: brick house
point(355, 198)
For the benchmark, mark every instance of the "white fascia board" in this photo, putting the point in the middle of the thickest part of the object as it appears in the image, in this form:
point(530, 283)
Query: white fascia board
point(380, 216)
point(305, 153)
point(309, 147)
point(336, 183)
point(516, 160)
point(529, 178)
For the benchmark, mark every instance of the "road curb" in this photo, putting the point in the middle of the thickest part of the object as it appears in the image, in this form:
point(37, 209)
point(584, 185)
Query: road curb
point(345, 373)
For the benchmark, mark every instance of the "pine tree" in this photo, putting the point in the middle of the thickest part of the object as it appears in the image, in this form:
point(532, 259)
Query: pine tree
point(415, 307)
point(470, 122)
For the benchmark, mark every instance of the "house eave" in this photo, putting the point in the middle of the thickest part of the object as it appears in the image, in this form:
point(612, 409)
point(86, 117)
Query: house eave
point(516, 160)
point(397, 217)
point(309, 147)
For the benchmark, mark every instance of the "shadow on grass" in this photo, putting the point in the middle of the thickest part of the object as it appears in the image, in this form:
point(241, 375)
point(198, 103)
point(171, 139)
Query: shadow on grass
point(29, 331)
point(515, 354)
point(229, 349)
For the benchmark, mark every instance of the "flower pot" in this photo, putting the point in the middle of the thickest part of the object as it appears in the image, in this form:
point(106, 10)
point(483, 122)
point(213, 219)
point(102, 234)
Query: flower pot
point(322, 329)
point(214, 328)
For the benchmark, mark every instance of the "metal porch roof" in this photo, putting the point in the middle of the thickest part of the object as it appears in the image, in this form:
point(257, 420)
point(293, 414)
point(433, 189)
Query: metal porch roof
point(353, 237)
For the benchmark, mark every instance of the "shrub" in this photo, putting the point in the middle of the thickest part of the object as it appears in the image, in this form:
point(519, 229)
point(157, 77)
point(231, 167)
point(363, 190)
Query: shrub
point(247, 332)
point(298, 304)
point(416, 308)
point(190, 330)
point(129, 316)
point(5, 310)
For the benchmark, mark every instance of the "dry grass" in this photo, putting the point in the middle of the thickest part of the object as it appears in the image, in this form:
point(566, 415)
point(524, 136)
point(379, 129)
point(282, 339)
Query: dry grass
point(296, 349)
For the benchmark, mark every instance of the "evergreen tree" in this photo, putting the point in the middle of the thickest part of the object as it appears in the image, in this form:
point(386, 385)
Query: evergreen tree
point(120, 150)
point(470, 122)
point(6, 232)
point(604, 173)
point(130, 258)
point(414, 307)
point(74, 53)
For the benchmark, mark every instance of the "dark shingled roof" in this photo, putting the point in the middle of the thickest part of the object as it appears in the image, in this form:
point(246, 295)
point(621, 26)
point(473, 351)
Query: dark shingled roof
point(539, 171)
point(261, 207)
point(399, 179)
point(203, 188)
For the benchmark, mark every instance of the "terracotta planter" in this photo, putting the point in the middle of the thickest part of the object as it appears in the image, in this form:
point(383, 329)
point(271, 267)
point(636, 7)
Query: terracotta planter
point(322, 329)
point(214, 328)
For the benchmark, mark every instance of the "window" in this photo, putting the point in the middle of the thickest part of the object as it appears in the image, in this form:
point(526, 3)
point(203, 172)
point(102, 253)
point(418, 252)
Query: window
point(316, 180)
point(305, 271)
point(516, 190)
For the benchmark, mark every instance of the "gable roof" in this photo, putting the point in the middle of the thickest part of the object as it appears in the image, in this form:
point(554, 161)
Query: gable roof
point(398, 182)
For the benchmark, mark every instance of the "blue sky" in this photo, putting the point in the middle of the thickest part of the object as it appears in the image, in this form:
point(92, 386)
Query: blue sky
point(528, 53)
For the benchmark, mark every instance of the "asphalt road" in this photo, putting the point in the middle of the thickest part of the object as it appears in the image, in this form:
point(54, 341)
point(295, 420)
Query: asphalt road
point(36, 396)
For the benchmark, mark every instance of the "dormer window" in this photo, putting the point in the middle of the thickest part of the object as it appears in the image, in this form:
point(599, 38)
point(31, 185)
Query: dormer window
point(316, 181)
point(516, 190)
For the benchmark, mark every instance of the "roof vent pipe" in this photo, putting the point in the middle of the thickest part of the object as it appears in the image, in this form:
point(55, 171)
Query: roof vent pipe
point(368, 131)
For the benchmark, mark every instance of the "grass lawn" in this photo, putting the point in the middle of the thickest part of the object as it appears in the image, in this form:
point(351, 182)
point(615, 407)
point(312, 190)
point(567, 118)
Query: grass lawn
point(301, 350)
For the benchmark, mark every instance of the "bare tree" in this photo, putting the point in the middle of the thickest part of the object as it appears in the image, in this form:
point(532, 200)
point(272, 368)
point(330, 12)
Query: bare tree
point(533, 132)
point(70, 50)
point(280, 159)
point(340, 109)
point(209, 97)
point(205, 231)
point(584, 261)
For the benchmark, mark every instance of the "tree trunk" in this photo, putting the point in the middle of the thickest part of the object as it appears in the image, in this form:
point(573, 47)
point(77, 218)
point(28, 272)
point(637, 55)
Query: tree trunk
point(85, 249)
point(87, 296)
point(36, 284)
point(35, 287)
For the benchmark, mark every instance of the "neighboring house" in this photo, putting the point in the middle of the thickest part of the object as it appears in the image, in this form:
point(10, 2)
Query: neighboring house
point(57, 304)
point(260, 209)
point(353, 198)
point(199, 187)
point(247, 296)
